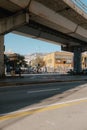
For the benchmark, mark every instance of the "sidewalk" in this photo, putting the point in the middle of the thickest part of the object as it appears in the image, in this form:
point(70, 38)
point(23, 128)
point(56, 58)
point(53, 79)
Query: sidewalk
point(68, 113)
point(39, 78)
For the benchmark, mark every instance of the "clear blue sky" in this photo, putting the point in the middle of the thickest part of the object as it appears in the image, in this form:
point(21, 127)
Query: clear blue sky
point(25, 45)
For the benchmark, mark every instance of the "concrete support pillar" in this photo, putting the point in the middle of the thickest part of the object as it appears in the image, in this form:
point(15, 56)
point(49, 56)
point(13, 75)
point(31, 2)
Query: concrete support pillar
point(77, 60)
point(2, 66)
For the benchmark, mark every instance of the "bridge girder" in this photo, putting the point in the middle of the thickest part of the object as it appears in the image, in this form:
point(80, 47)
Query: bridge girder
point(10, 23)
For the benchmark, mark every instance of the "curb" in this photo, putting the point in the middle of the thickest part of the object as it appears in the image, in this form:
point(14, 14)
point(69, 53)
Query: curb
point(4, 84)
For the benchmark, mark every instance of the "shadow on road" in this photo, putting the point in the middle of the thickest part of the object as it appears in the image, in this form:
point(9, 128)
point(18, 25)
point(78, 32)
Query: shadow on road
point(16, 98)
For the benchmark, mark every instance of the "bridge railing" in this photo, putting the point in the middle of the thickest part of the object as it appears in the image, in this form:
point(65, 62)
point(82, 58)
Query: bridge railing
point(81, 5)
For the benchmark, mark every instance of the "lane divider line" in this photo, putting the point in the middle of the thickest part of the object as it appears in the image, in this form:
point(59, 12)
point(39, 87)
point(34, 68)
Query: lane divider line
point(43, 90)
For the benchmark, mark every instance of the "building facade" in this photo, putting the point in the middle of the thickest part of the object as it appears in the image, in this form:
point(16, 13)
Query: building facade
point(62, 61)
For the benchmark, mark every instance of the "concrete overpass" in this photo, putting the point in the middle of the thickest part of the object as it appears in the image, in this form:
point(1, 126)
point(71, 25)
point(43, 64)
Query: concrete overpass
point(58, 21)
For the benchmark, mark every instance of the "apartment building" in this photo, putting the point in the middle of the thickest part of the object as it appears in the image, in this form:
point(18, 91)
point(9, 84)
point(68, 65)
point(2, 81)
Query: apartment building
point(62, 61)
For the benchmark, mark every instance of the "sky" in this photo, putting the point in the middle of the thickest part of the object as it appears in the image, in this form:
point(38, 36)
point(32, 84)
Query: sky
point(24, 45)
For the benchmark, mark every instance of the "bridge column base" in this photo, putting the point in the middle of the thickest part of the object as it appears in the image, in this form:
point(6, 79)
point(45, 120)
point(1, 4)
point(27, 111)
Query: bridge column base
point(2, 66)
point(77, 60)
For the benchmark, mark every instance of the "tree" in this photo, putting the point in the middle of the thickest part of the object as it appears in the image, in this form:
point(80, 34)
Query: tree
point(21, 60)
point(6, 59)
point(38, 62)
point(15, 60)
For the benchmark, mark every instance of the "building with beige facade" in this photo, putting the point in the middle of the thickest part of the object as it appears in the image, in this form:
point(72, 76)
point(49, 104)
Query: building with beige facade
point(62, 61)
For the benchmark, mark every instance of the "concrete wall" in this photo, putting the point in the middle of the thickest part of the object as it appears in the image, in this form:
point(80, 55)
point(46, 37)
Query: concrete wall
point(2, 68)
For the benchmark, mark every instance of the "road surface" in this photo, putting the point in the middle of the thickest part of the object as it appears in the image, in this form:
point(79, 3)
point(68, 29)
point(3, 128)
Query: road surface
point(63, 103)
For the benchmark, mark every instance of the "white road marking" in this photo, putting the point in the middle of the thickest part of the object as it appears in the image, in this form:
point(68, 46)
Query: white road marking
point(43, 90)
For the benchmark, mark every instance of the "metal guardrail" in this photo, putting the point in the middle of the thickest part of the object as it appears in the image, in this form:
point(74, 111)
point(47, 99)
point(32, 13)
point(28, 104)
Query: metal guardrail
point(81, 5)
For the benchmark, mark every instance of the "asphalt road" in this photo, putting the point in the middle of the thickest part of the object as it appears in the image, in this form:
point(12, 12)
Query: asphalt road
point(53, 106)
point(19, 97)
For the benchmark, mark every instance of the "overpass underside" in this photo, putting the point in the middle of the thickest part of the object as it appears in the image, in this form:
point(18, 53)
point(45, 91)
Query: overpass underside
point(57, 21)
